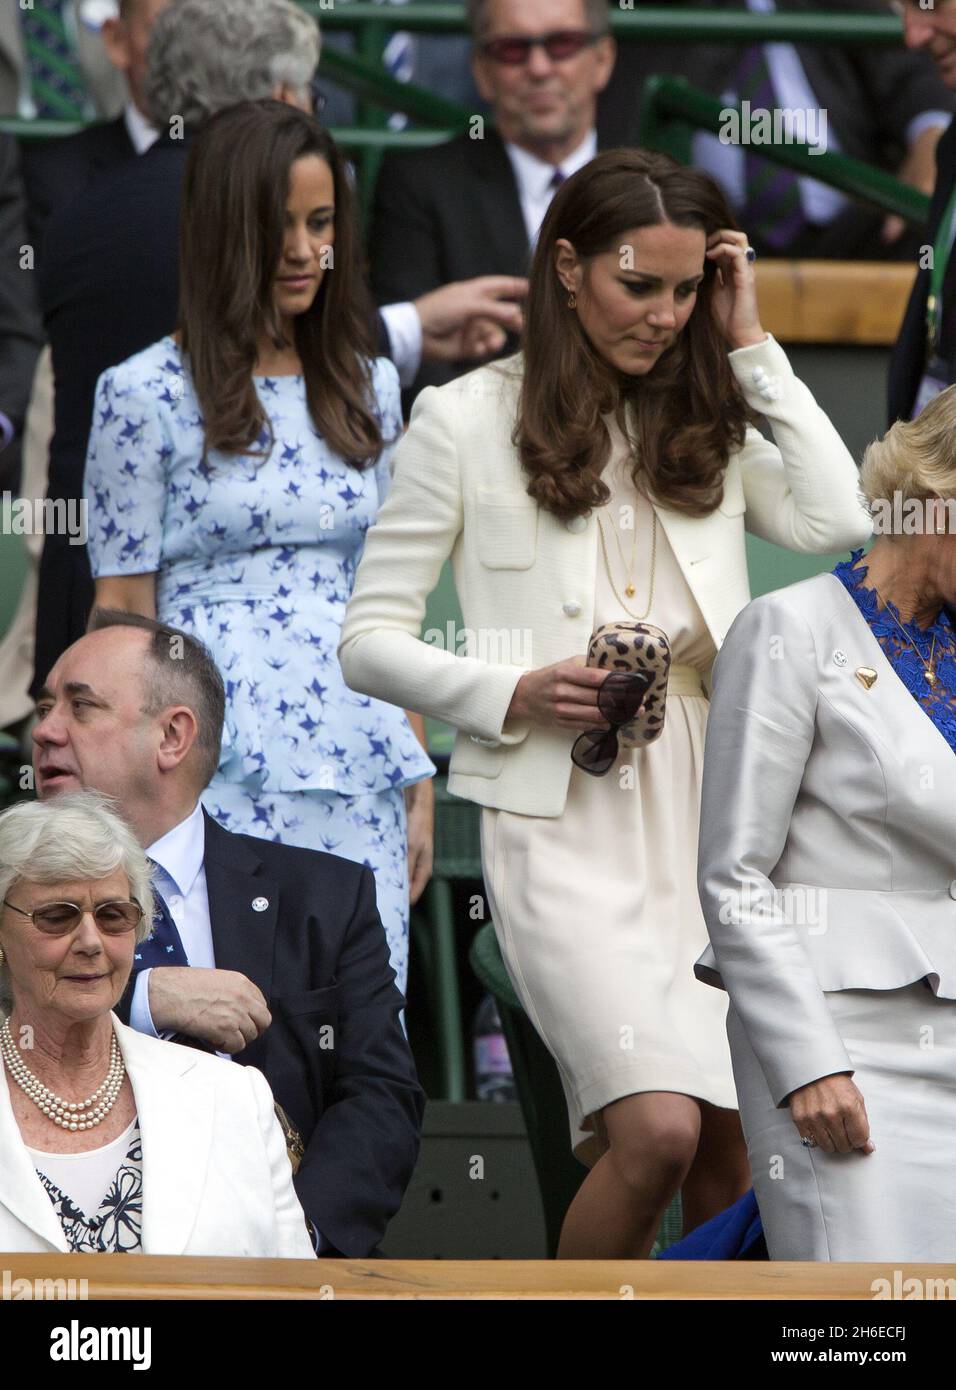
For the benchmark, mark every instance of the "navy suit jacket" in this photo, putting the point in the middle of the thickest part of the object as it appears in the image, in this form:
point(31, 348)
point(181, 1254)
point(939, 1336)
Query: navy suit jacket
point(335, 1053)
point(56, 171)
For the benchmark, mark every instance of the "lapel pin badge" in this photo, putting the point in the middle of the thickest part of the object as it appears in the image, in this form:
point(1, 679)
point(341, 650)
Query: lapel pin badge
point(260, 904)
point(866, 676)
point(840, 656)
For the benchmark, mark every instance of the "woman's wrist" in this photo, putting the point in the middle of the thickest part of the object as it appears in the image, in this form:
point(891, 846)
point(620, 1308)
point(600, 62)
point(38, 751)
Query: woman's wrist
point(422, 791)
point(751, 339)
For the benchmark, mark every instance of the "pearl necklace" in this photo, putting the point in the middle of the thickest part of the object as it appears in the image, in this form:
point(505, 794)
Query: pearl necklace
point(68, 1114)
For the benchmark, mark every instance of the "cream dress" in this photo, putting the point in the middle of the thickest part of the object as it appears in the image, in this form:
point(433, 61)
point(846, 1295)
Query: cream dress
point(596, 911)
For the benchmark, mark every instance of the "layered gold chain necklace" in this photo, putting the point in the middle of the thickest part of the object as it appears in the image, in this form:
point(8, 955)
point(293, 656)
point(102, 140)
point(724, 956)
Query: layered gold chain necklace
point(629, 588)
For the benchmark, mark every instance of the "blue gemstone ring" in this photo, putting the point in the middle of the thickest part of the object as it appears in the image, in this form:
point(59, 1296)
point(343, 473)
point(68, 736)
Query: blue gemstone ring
point(751, 254)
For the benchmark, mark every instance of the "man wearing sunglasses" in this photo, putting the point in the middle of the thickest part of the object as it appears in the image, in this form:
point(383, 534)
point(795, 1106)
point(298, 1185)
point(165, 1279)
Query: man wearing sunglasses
point(266, 952)
point(473, 206)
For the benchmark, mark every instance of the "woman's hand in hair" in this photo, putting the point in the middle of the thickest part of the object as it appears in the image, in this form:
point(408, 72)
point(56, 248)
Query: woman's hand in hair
point(735, 293)
point(562, 696)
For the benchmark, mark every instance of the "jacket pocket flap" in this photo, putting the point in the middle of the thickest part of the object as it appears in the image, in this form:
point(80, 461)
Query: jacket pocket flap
point(311, 1001)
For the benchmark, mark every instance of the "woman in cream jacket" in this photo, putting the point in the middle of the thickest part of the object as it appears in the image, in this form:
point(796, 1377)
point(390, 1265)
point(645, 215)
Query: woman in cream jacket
point(606, 474)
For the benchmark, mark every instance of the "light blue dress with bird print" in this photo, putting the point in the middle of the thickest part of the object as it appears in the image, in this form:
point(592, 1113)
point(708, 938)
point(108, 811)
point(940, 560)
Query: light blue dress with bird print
point(257, 557)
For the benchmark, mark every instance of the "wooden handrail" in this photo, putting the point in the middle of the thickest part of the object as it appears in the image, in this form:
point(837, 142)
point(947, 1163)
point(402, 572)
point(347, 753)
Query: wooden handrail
point(858, 303)
point(167, 1277)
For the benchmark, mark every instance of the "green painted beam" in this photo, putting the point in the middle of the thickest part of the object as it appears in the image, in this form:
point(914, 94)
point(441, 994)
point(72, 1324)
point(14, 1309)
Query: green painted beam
point(651, 22)
point(370, 81)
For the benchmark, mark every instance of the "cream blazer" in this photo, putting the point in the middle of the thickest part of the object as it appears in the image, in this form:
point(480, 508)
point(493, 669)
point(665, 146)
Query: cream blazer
point(526, 580)
point(216, 1175)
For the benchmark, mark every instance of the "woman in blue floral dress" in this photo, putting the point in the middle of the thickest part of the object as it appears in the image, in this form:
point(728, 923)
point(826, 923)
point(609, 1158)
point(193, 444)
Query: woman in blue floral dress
point(233, 471)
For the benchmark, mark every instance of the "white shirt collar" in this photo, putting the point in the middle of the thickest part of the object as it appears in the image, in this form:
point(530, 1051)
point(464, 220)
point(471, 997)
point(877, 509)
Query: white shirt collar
point(180, 852)
point(140, 131)
point(534, 175)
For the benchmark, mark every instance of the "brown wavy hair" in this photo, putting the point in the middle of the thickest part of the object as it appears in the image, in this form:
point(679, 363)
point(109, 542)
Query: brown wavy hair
point(231, 231)
point(688, 410)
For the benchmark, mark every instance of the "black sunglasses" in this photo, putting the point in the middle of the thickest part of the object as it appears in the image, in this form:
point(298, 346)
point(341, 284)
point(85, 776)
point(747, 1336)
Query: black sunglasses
point(514, 49)
point(57, 919)
point(619, 698)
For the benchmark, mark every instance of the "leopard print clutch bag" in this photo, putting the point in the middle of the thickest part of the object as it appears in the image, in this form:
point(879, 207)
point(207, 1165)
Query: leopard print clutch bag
point(636, 647)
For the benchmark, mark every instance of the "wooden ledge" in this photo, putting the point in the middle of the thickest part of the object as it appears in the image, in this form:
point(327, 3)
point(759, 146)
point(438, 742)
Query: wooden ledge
point(166, 1277)
point(846, 302)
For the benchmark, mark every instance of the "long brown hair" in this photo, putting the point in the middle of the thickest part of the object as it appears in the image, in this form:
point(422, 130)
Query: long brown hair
point(231, 233)
point(688, 410)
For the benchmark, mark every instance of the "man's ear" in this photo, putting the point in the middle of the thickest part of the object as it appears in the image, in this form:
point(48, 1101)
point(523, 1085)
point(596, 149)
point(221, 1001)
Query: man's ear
point(479, 71)
point(180, 732)
point(116, 43)
point(607, 57)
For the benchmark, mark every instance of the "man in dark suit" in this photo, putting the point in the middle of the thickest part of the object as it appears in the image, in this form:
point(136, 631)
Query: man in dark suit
point(55, 171)
point(473, 206)
point(21, 332)
point(282, 956)
point(935, 31)
point(880, 104)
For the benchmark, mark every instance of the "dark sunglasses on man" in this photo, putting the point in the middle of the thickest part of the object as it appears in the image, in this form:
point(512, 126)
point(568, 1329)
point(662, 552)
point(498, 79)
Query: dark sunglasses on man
point(515, 49)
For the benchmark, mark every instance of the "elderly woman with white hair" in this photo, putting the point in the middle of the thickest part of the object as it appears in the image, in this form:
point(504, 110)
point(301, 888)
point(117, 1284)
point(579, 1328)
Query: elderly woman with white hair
point(827, 874)
point(111, 1141)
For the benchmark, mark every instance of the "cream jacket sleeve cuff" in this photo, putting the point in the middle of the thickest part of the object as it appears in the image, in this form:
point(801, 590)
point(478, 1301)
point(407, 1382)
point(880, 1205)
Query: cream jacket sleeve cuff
point(801, 489)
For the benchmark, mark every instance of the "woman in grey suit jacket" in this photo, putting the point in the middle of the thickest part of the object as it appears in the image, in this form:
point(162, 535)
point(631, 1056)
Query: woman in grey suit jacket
point(828, 878)
point(605, 475)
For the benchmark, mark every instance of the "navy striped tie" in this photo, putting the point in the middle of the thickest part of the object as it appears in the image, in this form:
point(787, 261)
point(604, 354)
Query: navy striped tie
point(772, 211)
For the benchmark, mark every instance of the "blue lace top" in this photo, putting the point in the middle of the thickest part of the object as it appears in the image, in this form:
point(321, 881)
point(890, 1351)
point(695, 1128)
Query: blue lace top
point(939, 700)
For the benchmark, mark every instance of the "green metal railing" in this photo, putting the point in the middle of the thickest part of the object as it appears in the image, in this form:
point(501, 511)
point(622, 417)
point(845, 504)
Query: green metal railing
point(670, 107)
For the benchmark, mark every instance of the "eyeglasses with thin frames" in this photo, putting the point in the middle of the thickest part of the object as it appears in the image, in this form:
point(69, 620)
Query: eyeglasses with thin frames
point(59, 919)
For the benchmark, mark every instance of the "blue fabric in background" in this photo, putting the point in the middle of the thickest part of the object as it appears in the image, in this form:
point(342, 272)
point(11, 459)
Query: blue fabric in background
point(734, 1234)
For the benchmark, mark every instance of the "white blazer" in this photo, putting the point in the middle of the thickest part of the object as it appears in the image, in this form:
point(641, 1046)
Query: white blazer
point(216, 1176)
point(526, 580)
point(826, 857)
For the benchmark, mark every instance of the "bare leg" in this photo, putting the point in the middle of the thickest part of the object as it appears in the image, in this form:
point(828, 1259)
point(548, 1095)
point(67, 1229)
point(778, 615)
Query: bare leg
point(653, 1138)
point(720, 1172)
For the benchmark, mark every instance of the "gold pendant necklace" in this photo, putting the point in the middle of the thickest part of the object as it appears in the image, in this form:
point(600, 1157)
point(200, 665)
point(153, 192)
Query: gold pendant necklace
point(928, 671)
point(630, 589)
